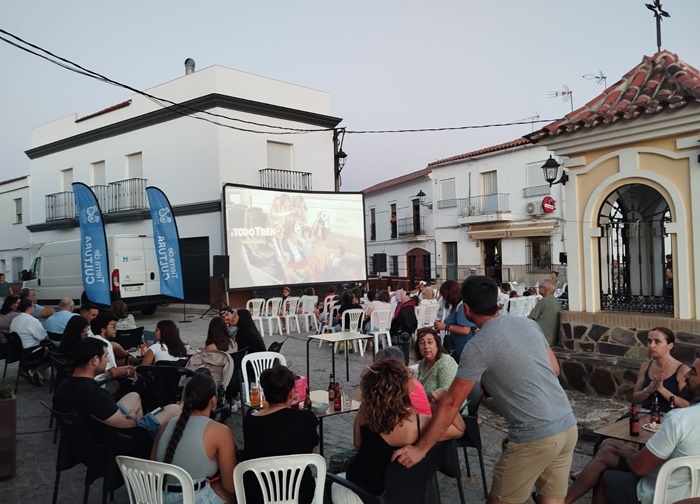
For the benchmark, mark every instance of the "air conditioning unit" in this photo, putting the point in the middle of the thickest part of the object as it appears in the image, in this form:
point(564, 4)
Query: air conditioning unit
point(533, 209)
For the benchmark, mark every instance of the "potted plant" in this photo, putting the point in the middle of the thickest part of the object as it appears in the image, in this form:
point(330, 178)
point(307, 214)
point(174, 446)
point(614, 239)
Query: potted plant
point(8, 429)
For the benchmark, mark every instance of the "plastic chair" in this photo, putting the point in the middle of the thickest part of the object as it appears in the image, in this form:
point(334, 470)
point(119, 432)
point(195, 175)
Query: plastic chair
point(25, 358)
point(519, 306)
point(259, 361)
point(472, 435)
point(145, 480)
point(290, 308)
point(416, 485)
point(255, 306)
point(61, 368)
point(54, 337)
point(351, 320)
point(129, 338)
point(280, 477)
point(272, 314)
point(692, 464)
point(380, 320)
point(451, 468)
point(308, 305)
point(328, 303)
point(328, 326)
point(275, 346)
point(159, 384)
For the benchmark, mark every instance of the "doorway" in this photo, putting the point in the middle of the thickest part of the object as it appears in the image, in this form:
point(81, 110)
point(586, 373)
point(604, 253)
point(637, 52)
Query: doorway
point(492, 260)
point(418, 266)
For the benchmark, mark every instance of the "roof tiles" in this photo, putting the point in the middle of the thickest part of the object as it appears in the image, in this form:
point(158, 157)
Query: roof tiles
point(658, 83)
point(494, 148)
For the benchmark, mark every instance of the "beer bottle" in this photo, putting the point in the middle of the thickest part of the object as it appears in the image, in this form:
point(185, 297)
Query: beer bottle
point(331, 389)
point(671, 403)
point(337, 402)
point(634, 420)
point(307, 401)
point(655, 416)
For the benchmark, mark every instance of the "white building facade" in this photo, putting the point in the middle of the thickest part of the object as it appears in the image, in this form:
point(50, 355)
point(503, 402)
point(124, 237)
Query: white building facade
point(121, 150)
point(16, 251)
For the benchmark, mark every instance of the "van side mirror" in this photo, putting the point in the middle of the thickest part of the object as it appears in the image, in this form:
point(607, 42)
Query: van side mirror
point(25, 275)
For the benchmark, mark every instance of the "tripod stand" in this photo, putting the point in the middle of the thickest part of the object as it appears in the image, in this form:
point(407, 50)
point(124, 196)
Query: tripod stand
point(219, 304)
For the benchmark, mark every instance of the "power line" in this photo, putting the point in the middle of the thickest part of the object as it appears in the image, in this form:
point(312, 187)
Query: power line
point(453, 128)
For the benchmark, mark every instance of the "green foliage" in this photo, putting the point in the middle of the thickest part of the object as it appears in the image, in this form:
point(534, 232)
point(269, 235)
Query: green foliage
point(6, 389)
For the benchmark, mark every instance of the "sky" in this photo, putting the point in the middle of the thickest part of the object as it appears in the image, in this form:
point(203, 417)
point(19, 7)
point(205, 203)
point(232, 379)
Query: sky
point(389, 64)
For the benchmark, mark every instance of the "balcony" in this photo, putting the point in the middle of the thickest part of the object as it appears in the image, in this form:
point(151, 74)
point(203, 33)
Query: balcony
point(489, 207)
point(285, 179)
point(540, 190)
point(411, 226)
point(447, 203)
point(118, 196)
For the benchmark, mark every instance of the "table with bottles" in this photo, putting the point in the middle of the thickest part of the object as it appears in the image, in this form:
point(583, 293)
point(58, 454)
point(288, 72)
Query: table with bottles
point(621, 430)
point(321, 396)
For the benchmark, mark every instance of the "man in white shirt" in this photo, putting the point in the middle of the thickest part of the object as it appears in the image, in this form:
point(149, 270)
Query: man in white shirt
point(503, 297)
point(32, 334)
point(104, 327)
point(56, 323)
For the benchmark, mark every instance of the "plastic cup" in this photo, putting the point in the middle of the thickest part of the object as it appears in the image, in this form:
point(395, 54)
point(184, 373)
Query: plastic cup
point(347, 396)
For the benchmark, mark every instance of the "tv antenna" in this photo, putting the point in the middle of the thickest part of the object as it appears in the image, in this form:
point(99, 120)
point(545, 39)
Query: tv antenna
point(599, 79)
point(658, 14)
point(532, 120)
point(566, 95)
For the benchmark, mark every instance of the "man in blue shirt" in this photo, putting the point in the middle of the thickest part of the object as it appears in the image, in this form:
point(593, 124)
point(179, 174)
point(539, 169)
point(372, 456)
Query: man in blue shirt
point(56, 323)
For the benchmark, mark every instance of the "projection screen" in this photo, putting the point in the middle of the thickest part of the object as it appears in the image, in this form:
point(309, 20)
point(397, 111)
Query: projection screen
point(276, 237)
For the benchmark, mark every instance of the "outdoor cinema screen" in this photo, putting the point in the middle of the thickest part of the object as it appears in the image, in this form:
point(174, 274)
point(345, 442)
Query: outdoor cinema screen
point(276, 237)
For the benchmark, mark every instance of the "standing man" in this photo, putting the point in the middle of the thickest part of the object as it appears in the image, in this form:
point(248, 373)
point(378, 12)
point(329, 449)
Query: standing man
point(546, 312)
point(512, 360)
point(5, 289)
point(56, 323)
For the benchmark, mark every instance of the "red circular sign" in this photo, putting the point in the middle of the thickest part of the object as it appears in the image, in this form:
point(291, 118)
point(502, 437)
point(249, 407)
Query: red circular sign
point(548, 204)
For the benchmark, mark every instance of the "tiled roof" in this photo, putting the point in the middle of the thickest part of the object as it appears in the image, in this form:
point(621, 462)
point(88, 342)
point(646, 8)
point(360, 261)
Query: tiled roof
point(388, 184)
point(658, 83)
point(494, 148)
point(105, 111)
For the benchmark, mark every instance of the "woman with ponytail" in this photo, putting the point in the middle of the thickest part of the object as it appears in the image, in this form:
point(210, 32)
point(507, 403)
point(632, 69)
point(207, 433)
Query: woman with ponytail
point(199, 445)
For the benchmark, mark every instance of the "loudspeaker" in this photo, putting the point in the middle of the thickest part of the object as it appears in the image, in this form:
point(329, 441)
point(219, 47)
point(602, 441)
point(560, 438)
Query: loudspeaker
point(562, 257)
point(221, 266)
point(379, 262)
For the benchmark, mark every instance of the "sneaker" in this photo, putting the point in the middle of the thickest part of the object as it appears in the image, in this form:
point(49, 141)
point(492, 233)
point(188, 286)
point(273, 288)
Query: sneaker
point(37, 378)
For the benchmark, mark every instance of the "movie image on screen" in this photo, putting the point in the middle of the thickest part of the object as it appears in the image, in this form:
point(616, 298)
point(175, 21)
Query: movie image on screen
point(276, 237)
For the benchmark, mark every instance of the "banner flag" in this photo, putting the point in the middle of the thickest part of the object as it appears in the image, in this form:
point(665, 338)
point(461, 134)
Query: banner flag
point(167, 242)
point(93, 245)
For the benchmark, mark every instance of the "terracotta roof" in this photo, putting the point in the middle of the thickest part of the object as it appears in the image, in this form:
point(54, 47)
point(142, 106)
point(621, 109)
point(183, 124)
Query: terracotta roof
point(388, 184)
point(8, 181)
point(659, 82)
point(494, 148)
point(105, 111)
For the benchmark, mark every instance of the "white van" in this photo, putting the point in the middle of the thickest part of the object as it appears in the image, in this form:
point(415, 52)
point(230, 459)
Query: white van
point(56, 272)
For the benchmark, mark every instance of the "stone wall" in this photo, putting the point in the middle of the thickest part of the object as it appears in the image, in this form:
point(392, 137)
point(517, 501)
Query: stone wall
point(600, 353)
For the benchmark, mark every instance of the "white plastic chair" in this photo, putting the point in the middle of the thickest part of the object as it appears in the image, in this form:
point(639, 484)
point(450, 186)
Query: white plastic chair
point(380, 321)
point(519, 306)
point(260, 361)
point(692, 464)
point(145, 480)
point(291, 305)
point(280, 477)
point(351, 320)
point(328, 326)
point(255, 306)
point(271, 313)
point(308, 305)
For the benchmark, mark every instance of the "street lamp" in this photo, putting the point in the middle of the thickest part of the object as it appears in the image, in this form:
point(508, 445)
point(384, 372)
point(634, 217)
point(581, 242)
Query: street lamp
point(421, 198)
point(339, 156)
point(551, 169)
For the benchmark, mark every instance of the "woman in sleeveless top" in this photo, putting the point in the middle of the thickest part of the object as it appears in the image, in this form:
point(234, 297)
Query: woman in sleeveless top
point(384, 422)
point(663, 374)
point(199, 445)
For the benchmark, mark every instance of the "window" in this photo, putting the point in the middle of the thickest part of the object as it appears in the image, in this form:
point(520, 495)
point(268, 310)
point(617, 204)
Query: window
point(489, 183)
point(99, 176)
point(447, 194)
point(17, 210)
point(372, 224)
point(393, 221)
point(539, 255)
point(536, 185)
point(394, 260)
point(67, 179)
point(370, 266)
point(17, 267)
point(134, 166)
point(279, 156)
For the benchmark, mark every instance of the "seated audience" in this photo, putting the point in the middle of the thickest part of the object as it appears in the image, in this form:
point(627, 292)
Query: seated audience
point(622, 473)
point(427, 296)
point(76, 330)
point(247, 335)
point(217, 337)
point(125, 320)
point(347, 302)
point(401, 295)
point(384, 422)
point(377, 301)
point(89, 311)
point(227, 315)
point(7, 313)
point(266, 432)
point(56, 323)
point(40, 312)
point(199, 445)
point(104, 328)
point(418, 396)
point(32, 334)
point(503, 297)
point(82, 394)
point(168, 345)
point(437, 368)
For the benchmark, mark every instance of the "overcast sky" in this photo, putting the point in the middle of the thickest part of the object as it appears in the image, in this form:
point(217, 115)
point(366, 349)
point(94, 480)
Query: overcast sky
point(387, 64)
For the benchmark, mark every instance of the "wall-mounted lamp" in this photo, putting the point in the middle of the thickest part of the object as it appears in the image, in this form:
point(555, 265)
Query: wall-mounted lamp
point(421, 198)
point(551, 169)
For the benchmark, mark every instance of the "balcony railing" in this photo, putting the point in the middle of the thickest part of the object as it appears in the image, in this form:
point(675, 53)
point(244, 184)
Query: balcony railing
point(285, 179)
point(411, 226)
point(447, 203)
point(540, 190)
point(123, 195)
point(483, 205)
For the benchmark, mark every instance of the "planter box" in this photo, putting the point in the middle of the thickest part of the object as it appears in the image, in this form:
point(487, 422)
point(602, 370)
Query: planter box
point(8, 437)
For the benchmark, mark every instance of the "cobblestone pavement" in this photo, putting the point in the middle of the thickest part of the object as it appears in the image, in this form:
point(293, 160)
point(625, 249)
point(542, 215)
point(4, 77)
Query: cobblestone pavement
point(36, 453)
